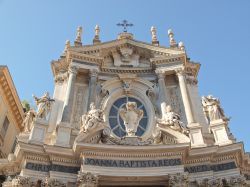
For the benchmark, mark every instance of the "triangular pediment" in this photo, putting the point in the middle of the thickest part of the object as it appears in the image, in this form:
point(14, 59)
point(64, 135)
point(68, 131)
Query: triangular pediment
point(124, 53)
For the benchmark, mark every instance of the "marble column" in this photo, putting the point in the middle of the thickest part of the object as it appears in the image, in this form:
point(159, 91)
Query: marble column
point(162, 85)
point(69, 97)
point(185, 97)
point(92, 86)
point(195, 129)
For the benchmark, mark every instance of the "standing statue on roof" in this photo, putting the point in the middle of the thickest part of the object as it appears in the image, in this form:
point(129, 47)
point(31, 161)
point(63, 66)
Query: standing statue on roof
point(43, 105)
point(212, 108)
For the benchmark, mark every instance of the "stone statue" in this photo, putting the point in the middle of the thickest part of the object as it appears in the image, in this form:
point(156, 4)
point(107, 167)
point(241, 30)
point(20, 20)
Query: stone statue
point(44, 105)
point(212, 109)
point(170, 118)
point(28, 119)
point(92, 118)
point(131, 117)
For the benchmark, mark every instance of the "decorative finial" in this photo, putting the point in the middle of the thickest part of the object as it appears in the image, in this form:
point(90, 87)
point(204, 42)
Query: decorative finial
point(171, 38)
point(97, 35)
point(78, 41)
point(66, 48)
point(181, 46)
point(154, 37)
point(125, 24)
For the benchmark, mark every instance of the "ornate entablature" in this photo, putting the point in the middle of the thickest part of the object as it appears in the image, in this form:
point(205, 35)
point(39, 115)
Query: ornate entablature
point(128, 112)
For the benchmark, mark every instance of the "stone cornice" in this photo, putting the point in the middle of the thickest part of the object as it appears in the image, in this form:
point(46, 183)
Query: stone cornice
point(126, 70)
point(11, 96)
point(117, 43)
point(168, 59)
point(84, 57)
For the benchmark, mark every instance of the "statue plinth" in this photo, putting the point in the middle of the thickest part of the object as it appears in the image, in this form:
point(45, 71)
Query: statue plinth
point(131, 140)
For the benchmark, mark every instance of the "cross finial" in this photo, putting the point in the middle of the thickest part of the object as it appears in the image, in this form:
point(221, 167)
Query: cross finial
point(125, 24)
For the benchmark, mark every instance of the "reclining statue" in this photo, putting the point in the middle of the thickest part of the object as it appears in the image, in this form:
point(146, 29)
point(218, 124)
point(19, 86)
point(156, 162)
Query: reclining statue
point(93, 118)
point(170, 119)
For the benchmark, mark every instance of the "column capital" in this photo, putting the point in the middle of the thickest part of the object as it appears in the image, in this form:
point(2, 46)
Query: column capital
point(180, 72)
point(178, 180)
point(160, 73)
point(191, 80)
point(73, 69)
point(93, 72)
point(87, 179)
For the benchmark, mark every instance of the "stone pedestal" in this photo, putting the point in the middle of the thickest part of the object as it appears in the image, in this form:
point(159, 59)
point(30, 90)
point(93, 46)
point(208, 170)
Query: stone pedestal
point(63, 134)
point(219, 130)
point(38, 132)
point(195, 135)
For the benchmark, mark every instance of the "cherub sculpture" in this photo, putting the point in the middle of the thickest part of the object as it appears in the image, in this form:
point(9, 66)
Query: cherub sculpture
point(92, 118)
point(170, 118)
point(28, 119)
point(44, 105)
point(131, 117)
point(212, 108)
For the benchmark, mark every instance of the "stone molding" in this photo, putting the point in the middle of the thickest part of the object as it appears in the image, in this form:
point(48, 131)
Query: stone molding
point(11, 95)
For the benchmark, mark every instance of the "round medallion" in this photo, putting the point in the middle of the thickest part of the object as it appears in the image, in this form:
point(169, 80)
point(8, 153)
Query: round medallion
point(117, 124)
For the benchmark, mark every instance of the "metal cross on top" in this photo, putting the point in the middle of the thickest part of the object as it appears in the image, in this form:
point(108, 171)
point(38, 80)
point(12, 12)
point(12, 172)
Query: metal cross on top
point(125, 24)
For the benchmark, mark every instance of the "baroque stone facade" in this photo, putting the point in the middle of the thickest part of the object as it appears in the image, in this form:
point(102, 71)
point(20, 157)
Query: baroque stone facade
point(126, 113)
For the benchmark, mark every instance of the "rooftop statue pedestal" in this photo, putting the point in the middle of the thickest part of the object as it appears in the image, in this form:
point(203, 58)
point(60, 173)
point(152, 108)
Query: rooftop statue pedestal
point(38, 131)
point(63, 134)
point(220, 132)
point(195, 135)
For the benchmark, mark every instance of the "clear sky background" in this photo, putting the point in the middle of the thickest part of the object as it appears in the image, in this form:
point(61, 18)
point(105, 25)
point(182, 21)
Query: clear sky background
point(216, 34)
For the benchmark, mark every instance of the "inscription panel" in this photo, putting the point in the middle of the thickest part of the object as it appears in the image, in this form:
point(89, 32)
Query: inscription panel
point(52, 167)
point(132, 163)
point(215, 168)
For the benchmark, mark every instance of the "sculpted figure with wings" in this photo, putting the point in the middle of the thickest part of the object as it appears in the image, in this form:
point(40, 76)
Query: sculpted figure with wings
point(131, 117)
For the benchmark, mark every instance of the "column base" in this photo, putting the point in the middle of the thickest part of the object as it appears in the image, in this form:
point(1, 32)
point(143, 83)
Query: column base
point(219, 130)
point(63, 134)
point(195, 135)
point(38, 132)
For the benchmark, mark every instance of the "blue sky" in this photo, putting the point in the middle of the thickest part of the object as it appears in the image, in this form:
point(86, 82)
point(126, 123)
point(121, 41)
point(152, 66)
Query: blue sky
point(216, 34)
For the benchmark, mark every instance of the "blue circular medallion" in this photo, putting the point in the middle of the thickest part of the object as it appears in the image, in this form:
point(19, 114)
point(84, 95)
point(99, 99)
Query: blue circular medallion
point(115, 121)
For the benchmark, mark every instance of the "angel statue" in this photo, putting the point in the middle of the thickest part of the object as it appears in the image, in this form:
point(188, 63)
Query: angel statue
point(170, 118)
point(28, 119)
point(212, 109)
point(43, 105)
point(131, 117)
point(92, 118)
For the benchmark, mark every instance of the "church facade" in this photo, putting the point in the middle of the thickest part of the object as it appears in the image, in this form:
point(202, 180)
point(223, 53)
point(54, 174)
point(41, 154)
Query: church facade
point(126, 113)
